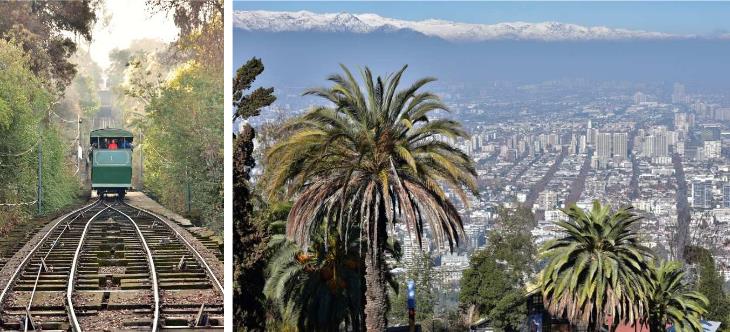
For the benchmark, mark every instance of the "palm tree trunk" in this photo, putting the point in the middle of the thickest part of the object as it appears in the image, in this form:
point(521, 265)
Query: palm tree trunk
point(656, 326)
point(376, 300)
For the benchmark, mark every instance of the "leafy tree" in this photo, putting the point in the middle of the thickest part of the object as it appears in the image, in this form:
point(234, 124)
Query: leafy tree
point(369, 160)
point(250, 238)
point(36, 49)
point(710, 284)
point(189, 16)
point(201, 28)
point(136, 76)
point(453, 321)
point(423, 276)
point(183, 146)
point(597, 268)
point(45, 29)
point(671, 301)
point(24, 103)
point(494, 283)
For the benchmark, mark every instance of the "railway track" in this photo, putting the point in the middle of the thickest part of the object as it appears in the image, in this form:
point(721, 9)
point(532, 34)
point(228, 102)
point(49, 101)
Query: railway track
point(110, 266)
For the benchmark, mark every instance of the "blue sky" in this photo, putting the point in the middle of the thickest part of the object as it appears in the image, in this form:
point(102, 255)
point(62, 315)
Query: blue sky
point(670, 17)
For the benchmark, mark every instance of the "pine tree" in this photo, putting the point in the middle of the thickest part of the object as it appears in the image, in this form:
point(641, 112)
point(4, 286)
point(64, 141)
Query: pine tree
point(250, 239)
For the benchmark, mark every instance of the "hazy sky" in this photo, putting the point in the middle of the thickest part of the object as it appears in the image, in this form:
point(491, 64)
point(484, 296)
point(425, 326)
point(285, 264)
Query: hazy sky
point(670, 17)
point(128, 20)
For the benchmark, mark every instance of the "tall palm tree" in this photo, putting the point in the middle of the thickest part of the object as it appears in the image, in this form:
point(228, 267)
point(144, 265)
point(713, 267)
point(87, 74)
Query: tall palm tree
point(373, 156)
point(596, 270)
point(672, 302)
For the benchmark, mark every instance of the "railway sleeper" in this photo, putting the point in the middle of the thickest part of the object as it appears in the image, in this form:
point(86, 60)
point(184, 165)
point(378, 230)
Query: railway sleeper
point(182, 275)
point(39, 312)
point(46, 326)
point(185, 285)
point(191, 310)
point(187, 321)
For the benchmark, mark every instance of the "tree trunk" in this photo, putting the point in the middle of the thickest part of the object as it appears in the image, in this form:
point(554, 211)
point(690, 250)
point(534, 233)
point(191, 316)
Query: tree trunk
point(656, 326)
point(376, 300)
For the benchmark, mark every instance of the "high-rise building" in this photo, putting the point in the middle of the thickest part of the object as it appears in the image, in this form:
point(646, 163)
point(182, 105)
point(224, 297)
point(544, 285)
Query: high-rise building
point(713, 149)
point(475, 235)
point(679, 148)
point(680, 121)
point(550, 141)
point(603, 145)
point(620, 145)
point(702, 194)
point(704, 111)
point(710, 132)
point(573, 148)
point(474, 141)
point(655, 145)
point(726, 195)
point(639, 98)
point(678, 95)
point(722, 114)
point(589, 133)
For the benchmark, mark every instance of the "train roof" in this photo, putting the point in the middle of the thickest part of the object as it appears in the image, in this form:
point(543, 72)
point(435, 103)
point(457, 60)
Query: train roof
point(110, 132)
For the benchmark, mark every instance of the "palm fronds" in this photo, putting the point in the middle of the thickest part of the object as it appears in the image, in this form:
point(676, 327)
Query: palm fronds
point(596, 270)
point(672, 302)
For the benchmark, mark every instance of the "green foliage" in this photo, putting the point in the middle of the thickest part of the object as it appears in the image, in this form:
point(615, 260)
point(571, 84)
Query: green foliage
point(60, 187)
point(596, 269)
point(710, 284)
point(248, 105)
point(46, 29)
point(250, 238)
point(319, 289)
point(671, 301)
point(201, 28)
point(494, 284)
point(510, 311)
point(24, 101)
point(423, 276)
point(351, 164)
point(183, 145)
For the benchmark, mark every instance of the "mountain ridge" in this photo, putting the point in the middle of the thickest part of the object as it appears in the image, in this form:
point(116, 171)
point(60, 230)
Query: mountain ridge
point(283, 21)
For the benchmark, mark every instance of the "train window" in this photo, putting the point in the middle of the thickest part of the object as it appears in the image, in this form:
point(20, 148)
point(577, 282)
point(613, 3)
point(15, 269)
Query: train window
point(111, 139)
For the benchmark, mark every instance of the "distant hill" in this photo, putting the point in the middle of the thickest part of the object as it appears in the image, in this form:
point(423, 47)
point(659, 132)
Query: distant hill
point(305, 58)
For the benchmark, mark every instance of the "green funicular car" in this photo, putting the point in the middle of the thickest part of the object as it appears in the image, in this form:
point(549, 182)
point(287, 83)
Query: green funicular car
point(111, 161)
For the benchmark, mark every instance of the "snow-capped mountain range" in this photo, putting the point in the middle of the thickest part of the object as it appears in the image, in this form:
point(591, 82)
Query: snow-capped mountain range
point(276, 21)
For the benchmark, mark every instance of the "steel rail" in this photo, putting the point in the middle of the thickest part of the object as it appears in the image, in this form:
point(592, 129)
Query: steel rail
point(198, 257)
point(40, 267)
point(69, 290)
point(153, 271)
point(12, 278)
point(30, 302)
